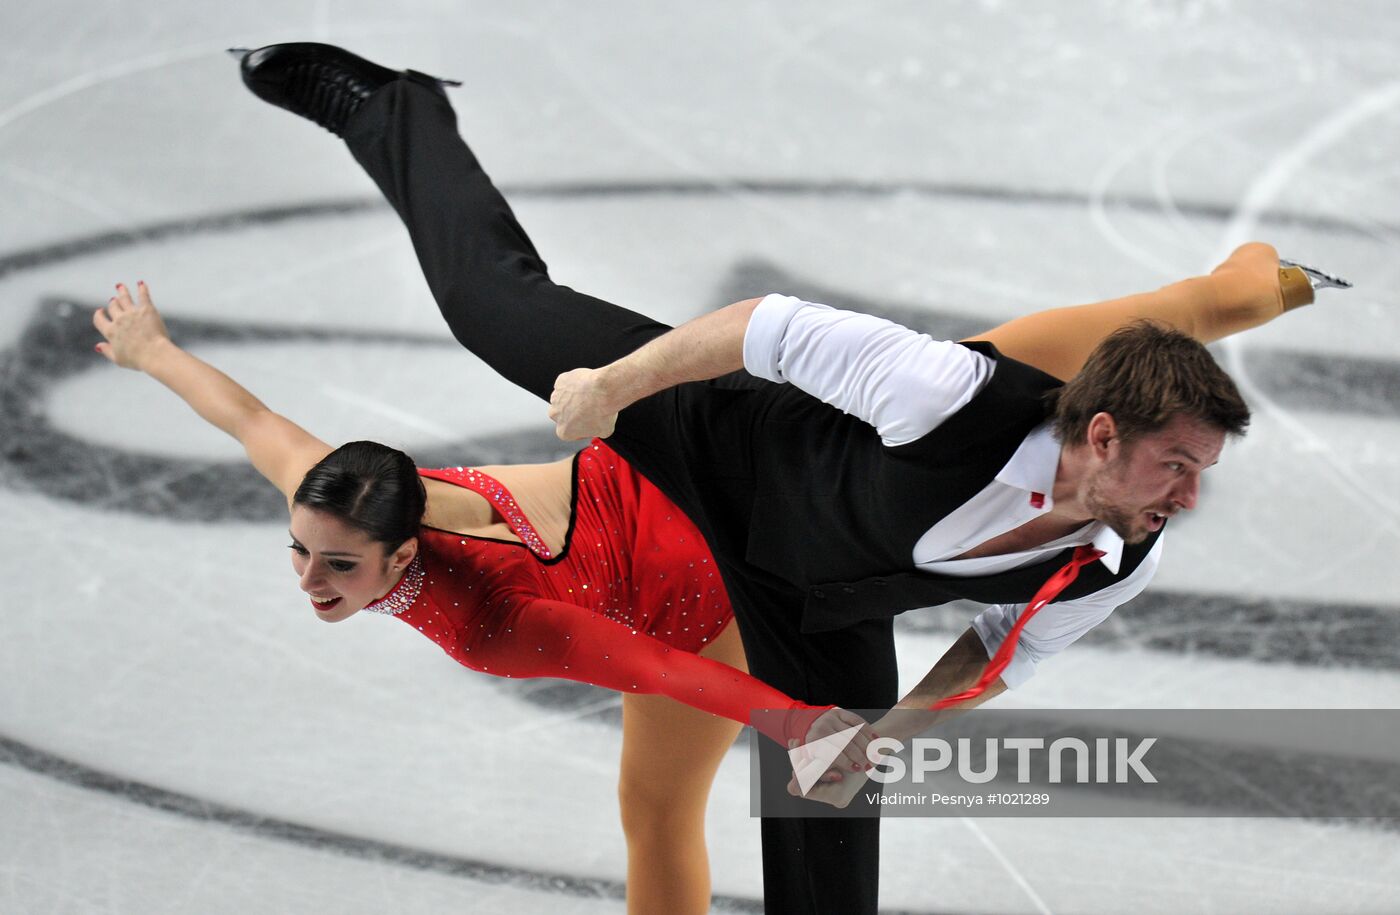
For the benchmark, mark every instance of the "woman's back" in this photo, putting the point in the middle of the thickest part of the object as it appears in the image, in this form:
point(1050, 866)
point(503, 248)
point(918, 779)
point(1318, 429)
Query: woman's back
point(625, 555)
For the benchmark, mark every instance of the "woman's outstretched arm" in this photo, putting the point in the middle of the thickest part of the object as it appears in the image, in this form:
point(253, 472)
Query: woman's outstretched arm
point(136, 338)
point(538, 637)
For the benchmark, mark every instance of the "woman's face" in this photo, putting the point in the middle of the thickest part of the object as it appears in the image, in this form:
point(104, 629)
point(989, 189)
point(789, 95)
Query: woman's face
point(340, 567)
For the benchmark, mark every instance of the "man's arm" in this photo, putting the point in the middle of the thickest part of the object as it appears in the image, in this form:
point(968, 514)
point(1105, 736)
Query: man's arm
point(585, 402)
point(1054, 629)
point(902, 382)
point(958, 669)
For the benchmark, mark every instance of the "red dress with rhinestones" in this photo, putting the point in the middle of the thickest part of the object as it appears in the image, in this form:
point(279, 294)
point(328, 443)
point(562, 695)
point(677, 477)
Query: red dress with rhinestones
point(627, 603)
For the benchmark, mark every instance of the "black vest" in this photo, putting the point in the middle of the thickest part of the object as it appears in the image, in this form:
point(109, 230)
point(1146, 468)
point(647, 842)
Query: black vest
point(837, 513)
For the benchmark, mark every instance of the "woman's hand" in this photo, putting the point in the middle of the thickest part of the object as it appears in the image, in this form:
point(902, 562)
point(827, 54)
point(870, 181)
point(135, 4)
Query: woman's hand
point(852, 757)
point(133, 330)
point(826, 770)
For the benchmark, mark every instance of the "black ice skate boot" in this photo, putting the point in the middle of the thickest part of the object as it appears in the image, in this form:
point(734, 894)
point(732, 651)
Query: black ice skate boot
point(320, 82)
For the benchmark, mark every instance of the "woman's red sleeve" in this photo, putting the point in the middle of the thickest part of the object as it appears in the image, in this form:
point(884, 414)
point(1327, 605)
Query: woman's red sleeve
point(535, 637)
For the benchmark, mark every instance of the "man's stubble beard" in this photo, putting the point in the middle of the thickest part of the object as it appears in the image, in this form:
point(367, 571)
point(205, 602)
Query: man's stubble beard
point(1124, 524)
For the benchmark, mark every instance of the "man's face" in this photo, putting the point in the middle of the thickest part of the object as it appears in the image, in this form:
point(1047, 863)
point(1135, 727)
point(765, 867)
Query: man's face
point(1137, 486)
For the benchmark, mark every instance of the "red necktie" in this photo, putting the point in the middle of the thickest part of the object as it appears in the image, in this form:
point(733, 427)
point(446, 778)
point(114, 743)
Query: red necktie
point(1083, 555)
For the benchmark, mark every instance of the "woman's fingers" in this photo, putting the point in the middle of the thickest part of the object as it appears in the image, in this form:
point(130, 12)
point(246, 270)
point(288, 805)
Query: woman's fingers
point(102, 321)
point(113, 311)
point(122, 301)
point(131, 325)
point(854, 753)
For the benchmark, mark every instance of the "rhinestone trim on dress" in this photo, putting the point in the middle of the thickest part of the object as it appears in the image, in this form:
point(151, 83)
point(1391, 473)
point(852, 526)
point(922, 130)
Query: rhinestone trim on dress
point(403, 594)
point(504, 502)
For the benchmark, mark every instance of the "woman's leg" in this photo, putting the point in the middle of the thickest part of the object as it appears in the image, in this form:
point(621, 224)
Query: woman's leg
point(1241, 293)
point(670, 753)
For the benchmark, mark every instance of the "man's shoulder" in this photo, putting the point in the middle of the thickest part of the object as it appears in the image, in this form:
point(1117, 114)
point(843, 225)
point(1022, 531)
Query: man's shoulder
point(1015, 399)
point(1013, 369)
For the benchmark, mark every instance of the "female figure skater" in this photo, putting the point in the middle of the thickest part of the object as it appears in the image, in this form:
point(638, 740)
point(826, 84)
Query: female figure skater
point(578, 569)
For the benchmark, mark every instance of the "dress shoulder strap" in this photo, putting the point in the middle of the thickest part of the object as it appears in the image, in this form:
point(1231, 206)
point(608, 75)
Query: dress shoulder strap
point(500, 498)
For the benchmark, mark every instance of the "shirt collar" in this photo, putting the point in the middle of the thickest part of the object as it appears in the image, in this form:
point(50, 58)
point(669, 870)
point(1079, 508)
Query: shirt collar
point(1112, 545)
point(1032, 469)
point(1033, 466)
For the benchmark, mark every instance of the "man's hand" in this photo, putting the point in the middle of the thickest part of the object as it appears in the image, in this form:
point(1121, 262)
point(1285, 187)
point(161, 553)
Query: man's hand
point(585, 402)
point(580, 406)
point(837, 794)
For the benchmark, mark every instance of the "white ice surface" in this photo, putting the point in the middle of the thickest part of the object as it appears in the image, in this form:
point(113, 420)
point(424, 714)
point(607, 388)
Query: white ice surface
point(1046, 155)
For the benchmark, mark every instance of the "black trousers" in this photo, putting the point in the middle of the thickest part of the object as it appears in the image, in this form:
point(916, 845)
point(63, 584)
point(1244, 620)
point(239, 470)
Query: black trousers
point(695, 442)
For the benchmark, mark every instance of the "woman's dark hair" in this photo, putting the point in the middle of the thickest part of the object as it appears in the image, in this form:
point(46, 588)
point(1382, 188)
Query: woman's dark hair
point(369, 486)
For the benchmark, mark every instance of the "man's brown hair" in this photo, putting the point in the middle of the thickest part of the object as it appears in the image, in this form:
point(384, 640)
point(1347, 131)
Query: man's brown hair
point(1144, 375)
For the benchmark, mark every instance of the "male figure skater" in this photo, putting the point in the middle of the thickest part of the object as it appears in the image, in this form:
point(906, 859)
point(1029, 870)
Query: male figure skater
point(892, 472)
